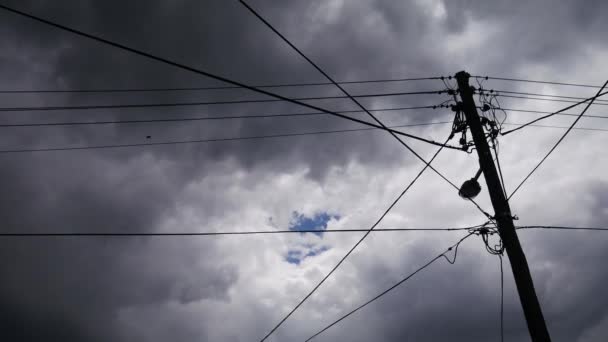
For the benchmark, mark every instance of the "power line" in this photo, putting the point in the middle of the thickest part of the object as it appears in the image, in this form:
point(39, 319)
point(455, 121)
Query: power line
point(591, 99)
point(200, 103)
point(259, 116)
point(278, 85)
point(181, 142)
point(249, 138)
point(563, 228)
point(558, 141)
point(544, 99)
point(432, 142)
point(562, 127)
point(455, 247)
point(547, 112)
point(188, 68)
point(259, 232)
point(498, 92)
point(204, 118)
point(536, 81)
point(168, 89)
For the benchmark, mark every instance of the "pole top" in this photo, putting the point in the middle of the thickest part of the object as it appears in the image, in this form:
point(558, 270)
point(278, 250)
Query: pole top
point(462, 74)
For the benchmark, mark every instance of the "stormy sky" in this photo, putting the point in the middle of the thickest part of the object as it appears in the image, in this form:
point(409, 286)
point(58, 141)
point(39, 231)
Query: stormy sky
point(236, 288)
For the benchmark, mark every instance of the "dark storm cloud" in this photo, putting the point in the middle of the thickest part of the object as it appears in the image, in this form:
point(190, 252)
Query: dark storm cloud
point(568, 275)
point(72, 290)
point(535, 32)
point(84, 282)
point(224, 38)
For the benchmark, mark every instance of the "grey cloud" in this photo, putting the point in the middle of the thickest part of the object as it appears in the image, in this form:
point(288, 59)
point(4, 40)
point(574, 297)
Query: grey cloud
point(74, 290)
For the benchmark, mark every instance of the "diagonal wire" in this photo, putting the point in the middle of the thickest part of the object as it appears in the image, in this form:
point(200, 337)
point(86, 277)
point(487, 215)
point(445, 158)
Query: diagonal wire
point(555, 113)
point(455, 246)
point(196, 70)
point(354, 246)
point(558, 141)
point(329, 78)
point(312, 63)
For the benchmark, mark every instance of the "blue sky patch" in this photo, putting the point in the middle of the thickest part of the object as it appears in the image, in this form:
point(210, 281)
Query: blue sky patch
point(300, 222)
point(316, 251)
point(295, 256)
point(319, 221)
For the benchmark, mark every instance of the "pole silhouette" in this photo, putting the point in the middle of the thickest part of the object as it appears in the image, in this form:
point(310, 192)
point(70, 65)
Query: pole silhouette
point(502, 214)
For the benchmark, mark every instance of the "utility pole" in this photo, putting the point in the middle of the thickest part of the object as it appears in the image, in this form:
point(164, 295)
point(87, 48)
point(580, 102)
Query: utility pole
point(502, 213)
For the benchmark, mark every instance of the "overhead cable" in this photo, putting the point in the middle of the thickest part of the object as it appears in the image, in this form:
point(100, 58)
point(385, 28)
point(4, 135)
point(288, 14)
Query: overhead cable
point(259, 232)
point(545, 99)
point(169, 89)
point(191, 104)
point(200, 118)
point(196, 141)
point(548, 112)
point(591, 99)
point(442, 255)
point(564, 228)
point(538, 81)
point(185, 67)
point(558, 142)
point(498, 92)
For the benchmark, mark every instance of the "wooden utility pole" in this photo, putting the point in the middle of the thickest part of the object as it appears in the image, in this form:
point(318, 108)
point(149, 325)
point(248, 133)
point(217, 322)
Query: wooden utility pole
point(502, 213)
